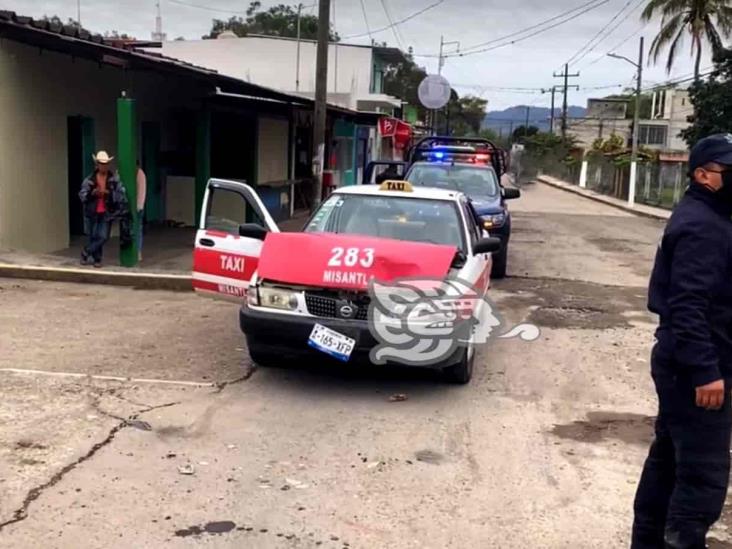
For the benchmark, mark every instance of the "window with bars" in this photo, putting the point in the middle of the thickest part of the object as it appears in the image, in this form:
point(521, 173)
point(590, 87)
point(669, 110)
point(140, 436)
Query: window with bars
point(652, 135)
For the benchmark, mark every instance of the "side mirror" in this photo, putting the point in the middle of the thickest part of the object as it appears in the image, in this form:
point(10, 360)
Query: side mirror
point(252, 230)
point(509, 193)
point(487, 246)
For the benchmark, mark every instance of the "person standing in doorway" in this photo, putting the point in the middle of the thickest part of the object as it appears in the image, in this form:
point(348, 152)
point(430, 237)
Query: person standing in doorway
point(141, 195)
point(684, 482)
point(103, 198)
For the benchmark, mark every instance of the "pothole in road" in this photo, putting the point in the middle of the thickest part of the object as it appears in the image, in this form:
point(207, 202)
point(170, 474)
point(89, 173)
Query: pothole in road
point(599, 426)
point(563, 316)
point(573, 304)
point(616, 245)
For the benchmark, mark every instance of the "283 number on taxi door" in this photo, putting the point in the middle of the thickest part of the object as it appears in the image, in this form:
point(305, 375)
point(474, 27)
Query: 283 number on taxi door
point(350, 257)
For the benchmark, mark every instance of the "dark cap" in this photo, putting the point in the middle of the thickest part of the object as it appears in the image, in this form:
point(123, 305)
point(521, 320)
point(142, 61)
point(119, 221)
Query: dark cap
point(715, 148)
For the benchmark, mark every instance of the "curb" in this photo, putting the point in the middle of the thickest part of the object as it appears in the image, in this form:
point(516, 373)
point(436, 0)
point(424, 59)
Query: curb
point(601, 199)
point(142, 281)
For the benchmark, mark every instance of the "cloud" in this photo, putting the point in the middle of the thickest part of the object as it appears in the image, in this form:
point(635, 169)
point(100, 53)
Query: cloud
point(530, 63)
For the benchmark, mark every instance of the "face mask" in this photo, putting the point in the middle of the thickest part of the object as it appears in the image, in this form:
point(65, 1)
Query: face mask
point(725, 193)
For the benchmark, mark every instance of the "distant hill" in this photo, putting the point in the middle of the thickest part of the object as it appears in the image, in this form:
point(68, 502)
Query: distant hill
point(538, 116)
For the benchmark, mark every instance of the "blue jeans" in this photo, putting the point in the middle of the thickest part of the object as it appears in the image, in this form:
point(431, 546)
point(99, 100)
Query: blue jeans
point(140, 214)
point(98, 235)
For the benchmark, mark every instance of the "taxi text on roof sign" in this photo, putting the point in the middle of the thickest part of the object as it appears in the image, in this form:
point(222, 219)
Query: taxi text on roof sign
point(390, 185)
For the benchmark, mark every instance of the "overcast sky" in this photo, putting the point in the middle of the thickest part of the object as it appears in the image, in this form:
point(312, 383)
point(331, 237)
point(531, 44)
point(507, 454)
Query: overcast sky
point(528, 64)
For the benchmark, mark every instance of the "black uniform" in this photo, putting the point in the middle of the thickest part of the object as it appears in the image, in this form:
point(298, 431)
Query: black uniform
point(684, 481)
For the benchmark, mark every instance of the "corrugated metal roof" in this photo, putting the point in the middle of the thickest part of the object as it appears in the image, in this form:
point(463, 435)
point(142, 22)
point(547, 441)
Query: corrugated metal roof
point(79, 42)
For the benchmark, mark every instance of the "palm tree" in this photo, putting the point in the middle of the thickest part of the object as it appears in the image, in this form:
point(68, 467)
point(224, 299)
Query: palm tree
point(702, 19)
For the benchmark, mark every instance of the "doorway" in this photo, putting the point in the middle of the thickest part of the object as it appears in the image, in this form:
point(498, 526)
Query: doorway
point(154, 204)
point(80, 143)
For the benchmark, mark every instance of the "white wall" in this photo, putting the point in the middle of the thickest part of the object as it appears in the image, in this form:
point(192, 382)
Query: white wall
point(271, 62)
point(680, 108)
point(38, 91)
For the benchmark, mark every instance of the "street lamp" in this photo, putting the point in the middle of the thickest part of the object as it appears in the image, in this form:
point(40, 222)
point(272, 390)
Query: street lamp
point(636, 120)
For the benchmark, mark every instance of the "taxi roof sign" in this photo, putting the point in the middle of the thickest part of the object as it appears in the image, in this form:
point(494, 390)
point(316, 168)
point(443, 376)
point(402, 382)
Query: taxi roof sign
point(394, 185)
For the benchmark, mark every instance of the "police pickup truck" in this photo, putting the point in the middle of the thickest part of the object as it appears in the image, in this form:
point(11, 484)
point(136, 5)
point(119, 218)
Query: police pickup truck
point(472, 166)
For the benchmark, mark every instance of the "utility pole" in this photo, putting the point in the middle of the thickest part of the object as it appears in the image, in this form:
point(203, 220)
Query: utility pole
point(551, 116)
point(441, 62)
point(335, 53)
point(526, 126)
point(297, 63)
point(636, 129)
point(321, 101)
point(636, 120)
point(78, 12)
point(566, 77)
point(553, 91)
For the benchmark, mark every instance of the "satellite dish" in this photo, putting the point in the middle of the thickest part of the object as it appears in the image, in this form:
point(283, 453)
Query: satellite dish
point(434, 91)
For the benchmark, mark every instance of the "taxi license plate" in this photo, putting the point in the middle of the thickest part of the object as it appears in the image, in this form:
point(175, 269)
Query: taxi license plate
point(331, 342)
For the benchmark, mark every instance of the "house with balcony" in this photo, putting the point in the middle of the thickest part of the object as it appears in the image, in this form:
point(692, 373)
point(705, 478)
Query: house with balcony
point(670, 109)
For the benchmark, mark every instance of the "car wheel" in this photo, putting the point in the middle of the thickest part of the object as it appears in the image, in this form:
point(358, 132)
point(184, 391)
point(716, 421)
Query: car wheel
point(500, 261)
point(462, 372)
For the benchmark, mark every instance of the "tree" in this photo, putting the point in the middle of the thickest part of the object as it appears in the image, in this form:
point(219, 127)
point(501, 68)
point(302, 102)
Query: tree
point(522, 132)
point(401, 79)
point(466, 114)
point(712, 101)
point(279, 20)
point(115, 35)
point(701, 19)
point(56, 21)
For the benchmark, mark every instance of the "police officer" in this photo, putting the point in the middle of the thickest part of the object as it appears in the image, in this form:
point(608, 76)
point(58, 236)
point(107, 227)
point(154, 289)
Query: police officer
point(684, 481)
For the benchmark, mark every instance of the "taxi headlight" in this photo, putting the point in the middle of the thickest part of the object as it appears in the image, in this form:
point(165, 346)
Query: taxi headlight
point(493, 221)
point(276, 298)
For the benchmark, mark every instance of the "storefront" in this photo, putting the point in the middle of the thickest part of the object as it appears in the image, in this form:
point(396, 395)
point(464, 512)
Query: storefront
point(395, 136)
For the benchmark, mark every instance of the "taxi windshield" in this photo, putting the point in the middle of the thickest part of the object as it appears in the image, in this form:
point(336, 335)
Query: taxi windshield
point(471, 180)
point(412, 219)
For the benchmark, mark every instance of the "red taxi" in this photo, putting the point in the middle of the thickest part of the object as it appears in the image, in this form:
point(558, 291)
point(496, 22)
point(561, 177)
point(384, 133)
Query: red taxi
point(306, 293)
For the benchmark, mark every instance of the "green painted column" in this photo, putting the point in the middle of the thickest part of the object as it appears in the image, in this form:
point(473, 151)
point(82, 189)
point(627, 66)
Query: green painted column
point(127, 163)
point(203, 157)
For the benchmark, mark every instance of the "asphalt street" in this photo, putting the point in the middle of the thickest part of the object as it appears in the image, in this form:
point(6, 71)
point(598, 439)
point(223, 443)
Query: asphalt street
point(191, 445)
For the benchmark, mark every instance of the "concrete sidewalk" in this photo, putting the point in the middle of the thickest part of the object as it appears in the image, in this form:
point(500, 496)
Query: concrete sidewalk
point(167, 261)
point(638, 209)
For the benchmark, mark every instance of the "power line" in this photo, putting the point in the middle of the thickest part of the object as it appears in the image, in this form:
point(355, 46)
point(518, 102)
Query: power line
point(602, 34)
point(678, 80)
point(621, 43)
point(393, 24)
point(522, 31)
point(207, 8)
point(366, 20)
point(531, 35)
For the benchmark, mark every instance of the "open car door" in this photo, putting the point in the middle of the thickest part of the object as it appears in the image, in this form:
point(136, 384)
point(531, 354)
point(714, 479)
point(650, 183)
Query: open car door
point(224, 261)
point(381, 170)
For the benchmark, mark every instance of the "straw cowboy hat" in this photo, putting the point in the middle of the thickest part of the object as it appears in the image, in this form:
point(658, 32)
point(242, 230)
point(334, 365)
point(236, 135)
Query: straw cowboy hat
point(102, 157)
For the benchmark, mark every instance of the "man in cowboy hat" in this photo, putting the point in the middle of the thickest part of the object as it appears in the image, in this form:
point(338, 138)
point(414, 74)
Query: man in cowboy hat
point(103, 198)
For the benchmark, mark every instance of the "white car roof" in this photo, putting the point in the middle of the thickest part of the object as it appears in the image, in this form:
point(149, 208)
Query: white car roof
point(418, 192)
